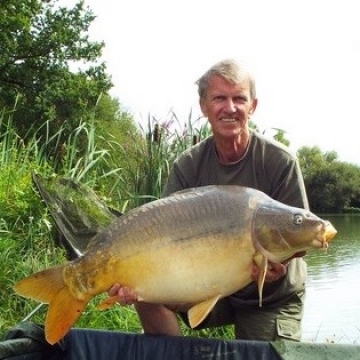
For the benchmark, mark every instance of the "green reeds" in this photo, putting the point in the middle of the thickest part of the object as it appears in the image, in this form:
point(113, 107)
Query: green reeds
point(141, 165)
point(125, 174)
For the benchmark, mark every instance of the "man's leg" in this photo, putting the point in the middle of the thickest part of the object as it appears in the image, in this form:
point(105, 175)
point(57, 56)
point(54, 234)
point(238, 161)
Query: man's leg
point(158, 319)
point(271, 323)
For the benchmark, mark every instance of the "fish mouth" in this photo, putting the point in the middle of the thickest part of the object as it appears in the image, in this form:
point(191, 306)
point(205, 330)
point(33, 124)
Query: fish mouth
point(328, 233)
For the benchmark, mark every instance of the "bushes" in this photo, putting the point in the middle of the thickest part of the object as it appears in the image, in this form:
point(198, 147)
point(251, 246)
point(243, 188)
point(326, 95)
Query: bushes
point(351, 210)
point(26, 243)
point(26, 229)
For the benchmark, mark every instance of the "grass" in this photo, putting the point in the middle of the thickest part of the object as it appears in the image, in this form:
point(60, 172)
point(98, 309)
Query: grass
point(124, 175)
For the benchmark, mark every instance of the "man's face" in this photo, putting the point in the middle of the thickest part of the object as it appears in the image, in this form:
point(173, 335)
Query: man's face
point(227, 106)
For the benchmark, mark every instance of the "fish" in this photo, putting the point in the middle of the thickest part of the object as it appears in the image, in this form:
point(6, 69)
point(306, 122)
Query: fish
point(195, 246)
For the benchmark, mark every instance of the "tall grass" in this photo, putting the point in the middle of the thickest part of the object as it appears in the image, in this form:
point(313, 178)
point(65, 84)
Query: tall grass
point(125, 175)
point(149, 158)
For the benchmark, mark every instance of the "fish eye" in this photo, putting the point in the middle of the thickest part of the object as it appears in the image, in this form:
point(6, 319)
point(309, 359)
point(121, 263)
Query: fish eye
point(298, 219)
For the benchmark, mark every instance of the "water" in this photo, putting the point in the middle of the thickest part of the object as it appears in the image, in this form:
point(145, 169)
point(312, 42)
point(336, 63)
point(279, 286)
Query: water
point(332, 306)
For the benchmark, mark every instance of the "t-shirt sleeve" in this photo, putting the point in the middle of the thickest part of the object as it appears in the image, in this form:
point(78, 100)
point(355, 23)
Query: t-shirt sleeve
point(184, 172)
point(175, 181)
point(288, 183)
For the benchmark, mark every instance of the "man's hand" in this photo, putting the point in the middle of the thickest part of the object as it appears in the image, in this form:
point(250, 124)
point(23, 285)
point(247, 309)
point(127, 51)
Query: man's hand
point(273, 273)
point(125, 295)
point(275, 270)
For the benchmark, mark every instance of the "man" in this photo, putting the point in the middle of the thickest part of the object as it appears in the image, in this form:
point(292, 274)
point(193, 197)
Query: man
point(236, 155)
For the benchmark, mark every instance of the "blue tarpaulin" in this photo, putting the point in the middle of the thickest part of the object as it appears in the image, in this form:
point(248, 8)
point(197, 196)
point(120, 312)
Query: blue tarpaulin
point(26, 342)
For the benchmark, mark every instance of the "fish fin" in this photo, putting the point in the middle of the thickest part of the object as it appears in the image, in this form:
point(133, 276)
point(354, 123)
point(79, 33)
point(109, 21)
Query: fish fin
point(63, 311)
point(108, 303)
point(200, 311)
point(262, 262)
point(43, 285)
point(48, 286)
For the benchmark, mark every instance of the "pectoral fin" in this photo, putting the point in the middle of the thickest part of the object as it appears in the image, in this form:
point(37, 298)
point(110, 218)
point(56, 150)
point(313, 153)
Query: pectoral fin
point(262, 262)
point(108, 303)
point(200, 311)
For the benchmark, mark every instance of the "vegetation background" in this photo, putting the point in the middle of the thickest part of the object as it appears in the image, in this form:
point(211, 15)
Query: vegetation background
point(58, 119)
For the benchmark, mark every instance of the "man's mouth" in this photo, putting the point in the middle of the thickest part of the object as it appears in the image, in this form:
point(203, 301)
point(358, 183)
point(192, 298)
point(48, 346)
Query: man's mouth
point(228, 119)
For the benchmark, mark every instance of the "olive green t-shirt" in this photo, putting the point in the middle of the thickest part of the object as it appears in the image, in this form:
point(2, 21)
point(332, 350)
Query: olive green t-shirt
point(267, 166)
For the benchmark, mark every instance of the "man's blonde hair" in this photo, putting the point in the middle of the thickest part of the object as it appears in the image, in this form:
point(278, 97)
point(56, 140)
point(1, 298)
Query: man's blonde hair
point(231, 70)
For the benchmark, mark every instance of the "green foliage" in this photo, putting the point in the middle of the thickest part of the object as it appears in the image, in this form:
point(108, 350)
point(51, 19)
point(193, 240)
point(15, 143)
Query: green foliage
point(279, 134)
point(149, 155)
point(26, 230)
point(312, 158)
point(280, 137)
point(118, 135)
point(331, 185)
point(42, 44)
point(25, 236)
point(351, 210)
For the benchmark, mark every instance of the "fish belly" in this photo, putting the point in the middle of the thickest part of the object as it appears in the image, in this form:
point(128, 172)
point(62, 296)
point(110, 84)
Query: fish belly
point(189, 271)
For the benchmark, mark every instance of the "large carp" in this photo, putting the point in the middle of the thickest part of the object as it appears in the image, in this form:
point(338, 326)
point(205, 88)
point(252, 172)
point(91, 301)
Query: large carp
point(195, 246)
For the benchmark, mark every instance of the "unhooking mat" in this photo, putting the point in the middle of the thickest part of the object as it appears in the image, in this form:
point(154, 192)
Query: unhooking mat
point(26, 342)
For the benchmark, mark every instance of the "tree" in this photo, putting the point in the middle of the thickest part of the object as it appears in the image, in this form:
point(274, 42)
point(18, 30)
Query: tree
point(41, 44)
point(312, 158)
point(117, 133)
point(280, 137)
point(331, 185)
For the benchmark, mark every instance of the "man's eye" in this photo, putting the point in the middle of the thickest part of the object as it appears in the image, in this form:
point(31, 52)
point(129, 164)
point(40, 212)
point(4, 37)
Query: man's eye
point(240, 100)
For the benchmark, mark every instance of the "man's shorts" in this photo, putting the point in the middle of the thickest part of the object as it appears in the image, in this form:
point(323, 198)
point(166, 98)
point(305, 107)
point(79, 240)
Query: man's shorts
point(267, 323)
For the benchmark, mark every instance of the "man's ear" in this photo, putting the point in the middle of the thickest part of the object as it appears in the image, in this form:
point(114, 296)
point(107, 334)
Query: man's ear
point(203, 107)
point(253, 106)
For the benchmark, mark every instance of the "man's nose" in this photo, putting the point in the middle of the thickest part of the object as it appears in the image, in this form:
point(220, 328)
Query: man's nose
point(230, 105)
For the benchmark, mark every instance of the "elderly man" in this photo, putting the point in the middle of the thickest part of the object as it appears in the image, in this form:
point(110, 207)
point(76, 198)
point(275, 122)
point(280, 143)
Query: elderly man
point(236, 155)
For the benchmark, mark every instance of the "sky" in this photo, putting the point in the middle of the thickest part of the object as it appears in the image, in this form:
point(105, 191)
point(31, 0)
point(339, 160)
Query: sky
point(304, 54)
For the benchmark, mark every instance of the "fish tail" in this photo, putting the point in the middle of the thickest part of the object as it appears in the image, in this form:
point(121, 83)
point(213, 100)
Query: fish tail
point(48, 286)
point(63, 312)
point(43, 285)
